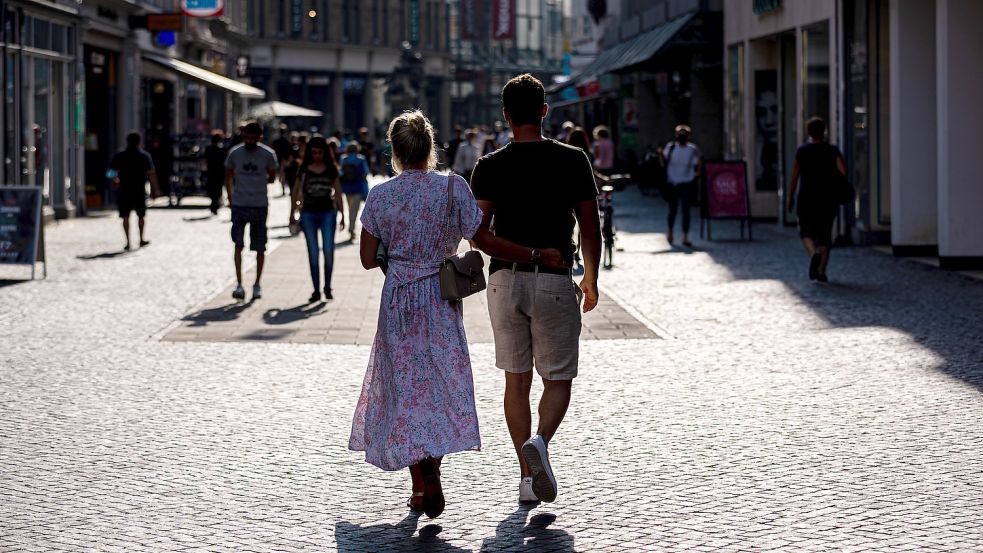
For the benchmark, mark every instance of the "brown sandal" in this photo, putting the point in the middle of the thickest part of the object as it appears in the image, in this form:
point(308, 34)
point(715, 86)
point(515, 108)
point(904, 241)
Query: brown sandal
point(433, 494)
point(415, 502)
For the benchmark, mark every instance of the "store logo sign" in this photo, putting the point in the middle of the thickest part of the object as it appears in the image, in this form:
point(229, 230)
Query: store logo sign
point(765, 6)
point(203, 8)
point(503, 19)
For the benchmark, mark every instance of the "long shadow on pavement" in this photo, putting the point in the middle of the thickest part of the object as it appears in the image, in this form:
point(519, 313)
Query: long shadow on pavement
point(278, 316)
point(391, 537)
point(104, 255)
point(940, 311)
point(224, 313)
point(515, 534)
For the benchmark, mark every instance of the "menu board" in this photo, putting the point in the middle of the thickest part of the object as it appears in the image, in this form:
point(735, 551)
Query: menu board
point(20, 224)
point(726, 190)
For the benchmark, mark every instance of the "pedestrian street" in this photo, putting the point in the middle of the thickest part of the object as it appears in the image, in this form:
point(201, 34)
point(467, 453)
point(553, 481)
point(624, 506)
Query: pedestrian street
point(724, 403)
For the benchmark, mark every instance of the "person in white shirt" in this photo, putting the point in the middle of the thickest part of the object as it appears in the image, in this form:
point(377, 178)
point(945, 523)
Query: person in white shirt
point(466, 156)
point(682, 161)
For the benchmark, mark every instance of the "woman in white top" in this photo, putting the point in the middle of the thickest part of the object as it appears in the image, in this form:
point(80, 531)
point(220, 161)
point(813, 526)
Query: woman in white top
point(682, 160)
point(466, 156)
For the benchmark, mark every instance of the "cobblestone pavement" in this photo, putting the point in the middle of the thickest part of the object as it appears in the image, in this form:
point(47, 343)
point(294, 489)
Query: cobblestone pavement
point(284, 313)
point(783, 415)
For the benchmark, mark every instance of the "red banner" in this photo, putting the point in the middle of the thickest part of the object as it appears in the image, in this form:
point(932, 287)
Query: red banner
point(471, 19)
point(503, 19)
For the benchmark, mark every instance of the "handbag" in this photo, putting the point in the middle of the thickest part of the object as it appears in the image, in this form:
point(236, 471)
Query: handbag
point(461, 275)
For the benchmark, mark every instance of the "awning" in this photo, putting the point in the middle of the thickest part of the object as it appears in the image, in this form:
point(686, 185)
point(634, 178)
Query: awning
point(205, 76)
point(626, 54)
point(282, 109)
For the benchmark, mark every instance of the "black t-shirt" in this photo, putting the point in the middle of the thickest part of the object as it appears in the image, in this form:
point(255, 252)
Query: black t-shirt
point(535, 188)
point(817, 172)
point(131, 166)
point(318, 189)
point(282, 147)
point(215, 160)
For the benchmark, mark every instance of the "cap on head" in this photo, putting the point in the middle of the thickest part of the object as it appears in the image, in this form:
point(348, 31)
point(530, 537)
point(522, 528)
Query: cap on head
point(683, 129)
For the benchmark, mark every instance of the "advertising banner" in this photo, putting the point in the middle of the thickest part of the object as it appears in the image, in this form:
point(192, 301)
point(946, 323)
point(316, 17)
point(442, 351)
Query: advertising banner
point(503, 19)
point(471, 19)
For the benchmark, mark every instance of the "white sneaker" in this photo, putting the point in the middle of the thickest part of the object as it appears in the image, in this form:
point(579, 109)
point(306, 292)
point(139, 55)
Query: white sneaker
point(257, 292)
point(538, 460)
point(525, 490)
point(239, 293)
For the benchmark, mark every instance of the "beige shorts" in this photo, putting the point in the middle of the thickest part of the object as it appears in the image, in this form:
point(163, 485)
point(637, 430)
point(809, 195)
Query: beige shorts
point(535, 317)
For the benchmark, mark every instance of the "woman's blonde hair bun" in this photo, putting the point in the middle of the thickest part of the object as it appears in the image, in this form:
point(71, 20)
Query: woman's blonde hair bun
point(412, 139)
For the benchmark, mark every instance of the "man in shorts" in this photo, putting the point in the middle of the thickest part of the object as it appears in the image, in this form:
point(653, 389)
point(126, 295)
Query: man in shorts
point(132, 168)
point(250, 167)
point(536, 188)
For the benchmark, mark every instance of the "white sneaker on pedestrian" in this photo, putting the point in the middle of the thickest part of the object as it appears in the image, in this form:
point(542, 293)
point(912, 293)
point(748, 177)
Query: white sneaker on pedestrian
point(525, 490)
point(239, 293)
point(257, 292)
point(538, 460)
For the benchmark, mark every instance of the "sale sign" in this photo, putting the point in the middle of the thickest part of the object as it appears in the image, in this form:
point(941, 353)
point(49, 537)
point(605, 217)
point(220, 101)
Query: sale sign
point(726, 187)
point(203, 8)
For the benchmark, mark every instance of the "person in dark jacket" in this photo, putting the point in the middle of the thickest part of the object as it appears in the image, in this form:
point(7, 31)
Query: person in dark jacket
point(131, 169)
point(818, 165)
point(215, 154)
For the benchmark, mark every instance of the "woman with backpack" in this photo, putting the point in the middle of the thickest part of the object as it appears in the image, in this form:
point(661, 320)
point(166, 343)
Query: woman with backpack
point(354, 183)
point(819, 171)
point(317, 193)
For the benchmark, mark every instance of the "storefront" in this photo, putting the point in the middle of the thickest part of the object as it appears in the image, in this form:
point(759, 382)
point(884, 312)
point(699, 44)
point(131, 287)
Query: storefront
point(781, 67)
point(42, 91)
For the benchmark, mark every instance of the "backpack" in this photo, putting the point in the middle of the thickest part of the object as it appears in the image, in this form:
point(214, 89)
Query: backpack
point(351, 170)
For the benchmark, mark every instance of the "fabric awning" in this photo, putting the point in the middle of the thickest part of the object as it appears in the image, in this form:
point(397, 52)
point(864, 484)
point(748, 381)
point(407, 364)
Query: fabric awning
point(629, 53)
point(205, 76)
point(282, 109)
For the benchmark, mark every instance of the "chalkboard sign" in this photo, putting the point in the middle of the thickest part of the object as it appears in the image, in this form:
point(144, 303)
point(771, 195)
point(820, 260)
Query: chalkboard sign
point(725, 194)
point(20, 224)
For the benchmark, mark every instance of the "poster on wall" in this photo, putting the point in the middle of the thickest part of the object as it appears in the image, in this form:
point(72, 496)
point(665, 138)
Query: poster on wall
point(471, 18)
point(766, 117)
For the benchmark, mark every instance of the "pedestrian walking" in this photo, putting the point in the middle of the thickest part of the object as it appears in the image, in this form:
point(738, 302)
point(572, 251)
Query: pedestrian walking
point(603, 148)
point(817, 168)
point(536, 189)
point(417, 400)
point(354, 183)
point(317, 196)
point(250, 167)
point(466, 156)
point(283, 147)
point(132, 168)
point(215, 154)
point(682, 160)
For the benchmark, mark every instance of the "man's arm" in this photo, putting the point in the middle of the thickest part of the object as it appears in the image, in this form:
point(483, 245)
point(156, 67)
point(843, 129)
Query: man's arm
point(154, 185)
point(505, 250)
point(793, 184)
point(230, 175)
point(590, 243)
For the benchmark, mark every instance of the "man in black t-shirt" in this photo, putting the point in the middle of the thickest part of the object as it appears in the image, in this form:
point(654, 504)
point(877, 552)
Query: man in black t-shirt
point(536, 189)
point(132, 168)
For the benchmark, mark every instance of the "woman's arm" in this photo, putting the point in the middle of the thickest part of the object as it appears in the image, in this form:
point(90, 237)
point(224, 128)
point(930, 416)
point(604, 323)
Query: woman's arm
point(368, 246)
point(339, 204)
point(296, 195)
point(508, 251)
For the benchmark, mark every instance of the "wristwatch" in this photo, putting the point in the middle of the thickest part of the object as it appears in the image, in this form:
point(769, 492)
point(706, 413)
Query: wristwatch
point(535, 255)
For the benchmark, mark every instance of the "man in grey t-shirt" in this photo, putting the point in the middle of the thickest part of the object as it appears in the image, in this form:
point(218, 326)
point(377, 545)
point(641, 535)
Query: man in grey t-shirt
point(250, 167)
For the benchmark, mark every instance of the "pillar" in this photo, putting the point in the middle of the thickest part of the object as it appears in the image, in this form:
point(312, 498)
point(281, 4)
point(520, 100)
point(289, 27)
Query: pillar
point(960, 120)
point(914, 161)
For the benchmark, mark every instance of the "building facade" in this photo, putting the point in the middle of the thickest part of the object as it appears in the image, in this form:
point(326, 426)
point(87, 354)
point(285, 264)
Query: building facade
point(336, 56)
point(42, 95)
point(895, 81)
point(495, 40)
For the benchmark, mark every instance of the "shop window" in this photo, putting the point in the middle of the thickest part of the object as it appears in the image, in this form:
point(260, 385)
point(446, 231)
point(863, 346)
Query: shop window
point(816, 75)
point(735, 101)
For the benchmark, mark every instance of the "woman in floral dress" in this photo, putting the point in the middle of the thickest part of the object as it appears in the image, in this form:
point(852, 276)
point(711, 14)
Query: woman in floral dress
point(417, 401)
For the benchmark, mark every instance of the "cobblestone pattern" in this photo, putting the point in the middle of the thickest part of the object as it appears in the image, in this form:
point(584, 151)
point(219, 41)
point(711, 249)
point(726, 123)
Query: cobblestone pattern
point(785, 416)
point(284, 314)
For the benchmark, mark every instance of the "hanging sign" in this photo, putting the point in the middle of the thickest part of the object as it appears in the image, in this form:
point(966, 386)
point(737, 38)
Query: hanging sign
point(203, 8)
point(471, 19)
point(503, 19)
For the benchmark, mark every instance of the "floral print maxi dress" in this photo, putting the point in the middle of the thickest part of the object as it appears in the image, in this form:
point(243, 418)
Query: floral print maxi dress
point(417, 398)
